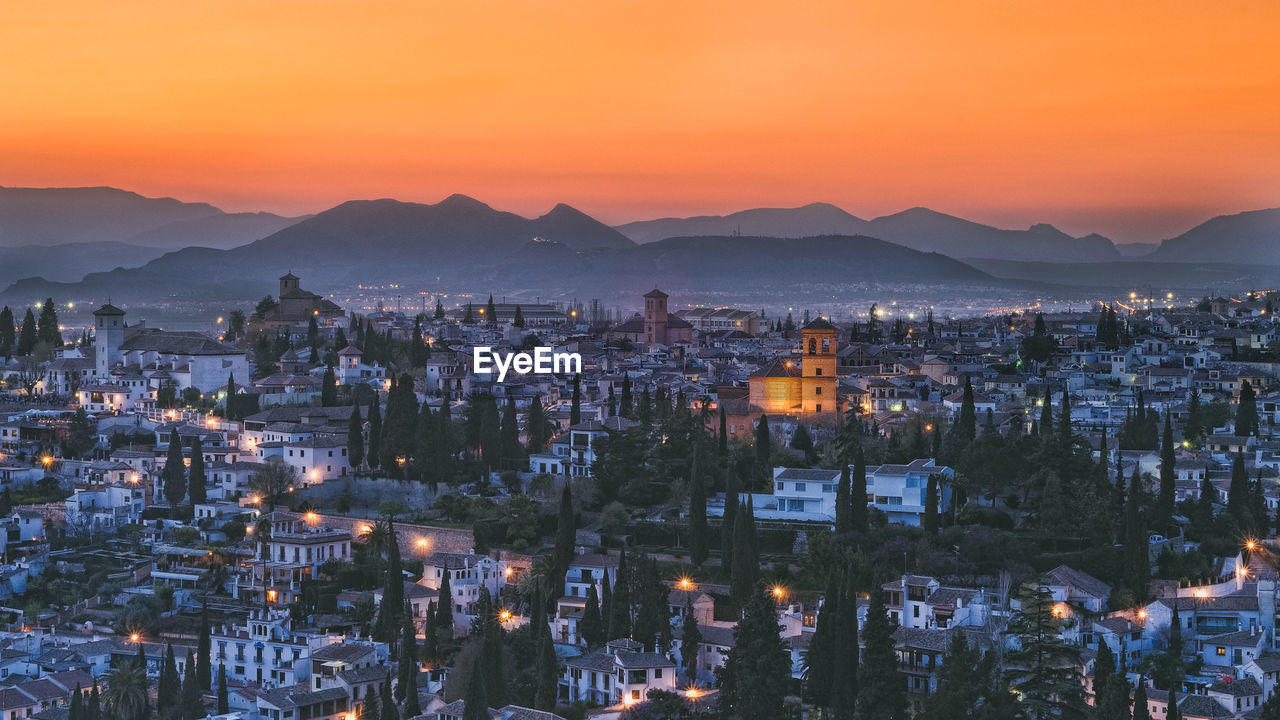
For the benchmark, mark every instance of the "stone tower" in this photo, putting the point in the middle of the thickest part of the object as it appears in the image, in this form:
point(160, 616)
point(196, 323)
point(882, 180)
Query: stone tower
point(288, 284)
point(818, 367)
point(108, 329)
point(655, 317)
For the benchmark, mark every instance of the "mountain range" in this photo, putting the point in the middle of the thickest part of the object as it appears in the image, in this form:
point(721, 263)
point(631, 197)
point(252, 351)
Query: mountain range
point(64, 240)
point(917, 228)
point(56, 216)
point(461, 242)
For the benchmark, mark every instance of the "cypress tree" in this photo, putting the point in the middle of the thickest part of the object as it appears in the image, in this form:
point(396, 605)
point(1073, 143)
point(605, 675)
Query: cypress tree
point(407, 667)
point(192, 704)
point(1247, 411)
point(329, 388)
point(745, 569)
point(229, 407)
point(8, 333)
point(606, 607)
point(1238, 492)
point(1141, 711)
point(820, 659)
point(444, 611)
point(169, 686)
point(764, 442)
point(575, 409)
point(355, 437)
point(371, 709)
point(204, 652)
point(491, 310)
point(27, 338)
point(430, 641)
point(174, 475)
point(845, 678)
point(1174, 713)
point(512, 451)
point(843, 524)
point(730, 516)
point(930, 521)
point(76, 710)
point(566, 534)
point(858, 493)
point(592, 624)
point(388, 703)
point(374, 453)
point(624, 405)
point(755, 679)
point(690, 639)
point(724, 434)
point(224, 701)
point(536, 427)
point(476, 705)
point(94, 711)
point(1135, 542)
point(880, 686)
point(518, 321)
point(548, 673)
point(196, 476)
point(49, 332)
point(697, 509)
point(620, 602)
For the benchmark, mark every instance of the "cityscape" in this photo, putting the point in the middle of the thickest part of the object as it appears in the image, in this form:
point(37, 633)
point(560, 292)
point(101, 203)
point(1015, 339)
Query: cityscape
point(406, 361)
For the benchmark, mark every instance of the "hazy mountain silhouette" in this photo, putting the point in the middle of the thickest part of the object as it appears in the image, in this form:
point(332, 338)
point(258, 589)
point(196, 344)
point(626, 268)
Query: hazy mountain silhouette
point(52, 216)
point(806, 221)
point(1249, 237)
point(918, 228)
point(70, 261)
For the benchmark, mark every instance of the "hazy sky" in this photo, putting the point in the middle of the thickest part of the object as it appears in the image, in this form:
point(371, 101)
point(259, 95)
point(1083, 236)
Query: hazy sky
point(1134, 119)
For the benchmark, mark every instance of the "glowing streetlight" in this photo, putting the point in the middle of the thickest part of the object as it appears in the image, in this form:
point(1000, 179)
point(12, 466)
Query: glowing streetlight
point(1250, 545)
point(47, 460)
point(505, 615)
point(693, 693)
point(779, 591)
point(134, 637)
point(686, 583)
point(312, 517)
point(1142, 614)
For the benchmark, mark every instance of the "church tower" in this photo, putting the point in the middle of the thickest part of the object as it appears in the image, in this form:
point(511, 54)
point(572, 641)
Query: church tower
point(655, 317)
point(288, 284)
point(108, 329)
point(818, 367)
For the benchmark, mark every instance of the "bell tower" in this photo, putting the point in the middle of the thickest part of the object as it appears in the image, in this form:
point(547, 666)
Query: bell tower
point(818, 367)
point(108, 332)
point(655, 317)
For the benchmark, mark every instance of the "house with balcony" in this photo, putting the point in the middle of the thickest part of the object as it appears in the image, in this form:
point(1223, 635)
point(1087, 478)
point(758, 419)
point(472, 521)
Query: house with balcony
point(296, 546)
point(264, 650)
point(573, 452)
point(468, 574)
point(618, 674)
point(899, 491)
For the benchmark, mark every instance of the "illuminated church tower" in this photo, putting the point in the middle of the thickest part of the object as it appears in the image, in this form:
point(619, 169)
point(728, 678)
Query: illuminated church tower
point(818, 367)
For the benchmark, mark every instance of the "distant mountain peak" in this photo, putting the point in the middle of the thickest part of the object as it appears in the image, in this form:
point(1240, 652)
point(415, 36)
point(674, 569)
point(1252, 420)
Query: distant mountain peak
point(458, 200)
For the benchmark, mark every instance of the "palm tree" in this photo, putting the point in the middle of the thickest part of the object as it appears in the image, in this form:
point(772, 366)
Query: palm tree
point(540, 581)
point(126, 695)
point(376, 538)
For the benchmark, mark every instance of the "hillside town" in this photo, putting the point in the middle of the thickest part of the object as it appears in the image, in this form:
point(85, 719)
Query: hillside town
point(314, 513)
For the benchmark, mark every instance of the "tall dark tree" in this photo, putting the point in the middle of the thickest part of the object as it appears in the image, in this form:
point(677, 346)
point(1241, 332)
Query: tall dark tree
point(49, 333)
point(548, 676)
point(169, 686)
point(930, 521)
point(620, 602)
point(756, 676)
point(196, 478)
point(730, 516)
point(192, 698)
point(624, 404)
point(28, 338)
point(476, 704)
point(566, 534)
point(1141, 711)
point(1247, 411)
point(388, 622)
point(1238, 492)
point(329, 388)
point(8, 332)
point(1168, 478)
point(592, 626)
point(764, 449)
point(845, 676)
point(575, 408)
point(690, 639)
point(518, 320)
point(881, 688)
point(745, 571)
point(537, 428)
point(491, 311)
point(1044, 669)
point(355, 437)
point(512, 451)
point(697, 509)
point(374, 453)
point(858, 492)
point(204, 652)
point(407, 669)
point(444, 610)
point(224, 699)
point(1137, 563)
point(174, 475)
point(723, 436)
point(1110, 688)
point(843, 524)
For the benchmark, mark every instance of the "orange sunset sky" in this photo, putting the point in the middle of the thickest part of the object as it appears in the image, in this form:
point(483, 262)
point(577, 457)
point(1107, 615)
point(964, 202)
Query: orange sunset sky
point(1134, 119)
